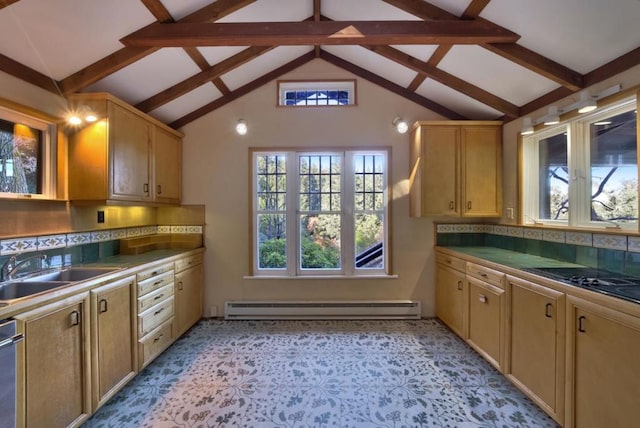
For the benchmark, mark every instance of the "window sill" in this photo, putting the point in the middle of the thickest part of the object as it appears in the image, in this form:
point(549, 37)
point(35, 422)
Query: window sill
point(320, 277)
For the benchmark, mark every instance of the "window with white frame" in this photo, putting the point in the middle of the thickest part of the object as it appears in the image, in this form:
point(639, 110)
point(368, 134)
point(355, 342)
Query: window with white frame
point(316, 93)
point(320, 213)
point(584, 173)
point(27, 155)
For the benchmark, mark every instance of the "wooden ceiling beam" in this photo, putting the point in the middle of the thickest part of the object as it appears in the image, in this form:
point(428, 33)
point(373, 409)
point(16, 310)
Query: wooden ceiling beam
point(28, 74)
point(509, 109)
point(243, 90)
point(126, 56)
point(201, 78)
point(5, 3)
point(390, 86)
point(519, 54)
point(323, 32)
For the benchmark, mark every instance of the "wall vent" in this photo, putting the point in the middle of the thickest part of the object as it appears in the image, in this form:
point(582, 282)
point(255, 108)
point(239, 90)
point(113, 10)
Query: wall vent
point(353, 309)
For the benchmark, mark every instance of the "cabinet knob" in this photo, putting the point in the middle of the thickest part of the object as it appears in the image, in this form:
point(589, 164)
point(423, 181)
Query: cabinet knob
point(145, 188)
point(482, 298)
point(547, 310)
point(103, 306)
point(460, 285)
point(469, 205)
point(180, 286)
point(451, 205)
point(159, 189)
point(581, 324)
point(74, 318)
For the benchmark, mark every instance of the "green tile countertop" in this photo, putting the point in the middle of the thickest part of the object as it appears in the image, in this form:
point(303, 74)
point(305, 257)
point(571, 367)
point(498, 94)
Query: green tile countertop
point(133, 260)
point(512, 259)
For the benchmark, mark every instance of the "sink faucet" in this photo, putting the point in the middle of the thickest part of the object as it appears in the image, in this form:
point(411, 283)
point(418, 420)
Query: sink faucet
point(11, 266)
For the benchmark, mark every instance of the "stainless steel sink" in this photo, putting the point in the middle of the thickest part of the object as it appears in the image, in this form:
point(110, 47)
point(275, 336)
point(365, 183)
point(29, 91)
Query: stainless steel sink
point(19, 289)
point(72, 274)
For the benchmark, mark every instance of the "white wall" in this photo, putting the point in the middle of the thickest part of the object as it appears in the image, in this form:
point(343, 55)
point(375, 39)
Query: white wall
point(216, 174)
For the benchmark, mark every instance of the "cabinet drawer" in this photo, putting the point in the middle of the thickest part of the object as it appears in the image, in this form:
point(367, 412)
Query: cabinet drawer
point(155, 342)
point(154, 297)
point(154, 316)
point(188, 262)
point(486, 274)
point(454, 262)
point(150, 273)
point(154, 283)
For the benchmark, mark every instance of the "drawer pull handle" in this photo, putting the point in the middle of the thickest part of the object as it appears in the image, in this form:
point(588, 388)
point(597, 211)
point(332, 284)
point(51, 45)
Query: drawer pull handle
point(180, 286)
point(460, 285)
point(158, 338)
point(74, 318)
point(159, 296)
point(482, 274)
point(145, 188)
point(580, 324)
point(482, 298)
point(547, 310)
point(159, 189)
point(103, 306)
point(157, 282)
point(158, 311)
point(469, 205)
point(154, 273)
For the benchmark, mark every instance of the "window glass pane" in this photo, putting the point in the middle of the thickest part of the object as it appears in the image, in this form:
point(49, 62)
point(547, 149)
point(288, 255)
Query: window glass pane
point(271, 182)
point(368, 179)
point(614, 169)
point(272, 248)
point(21, 163)
point(318, 176)
point(320, 241)
point(553, 178)
point(369, 241)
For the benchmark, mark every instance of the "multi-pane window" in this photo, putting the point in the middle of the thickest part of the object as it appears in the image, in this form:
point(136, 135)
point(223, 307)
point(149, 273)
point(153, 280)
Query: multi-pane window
point(584, 172)
point(320, 213)
point(321, 93)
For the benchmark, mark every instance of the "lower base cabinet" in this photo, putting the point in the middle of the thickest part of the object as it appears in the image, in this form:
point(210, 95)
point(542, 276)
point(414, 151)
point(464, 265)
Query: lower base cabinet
point(188, 297)
point(451, 292)
point(54, 362)
point(112, 339)
point(535, 343)
point(486, 317)
point(603, 370)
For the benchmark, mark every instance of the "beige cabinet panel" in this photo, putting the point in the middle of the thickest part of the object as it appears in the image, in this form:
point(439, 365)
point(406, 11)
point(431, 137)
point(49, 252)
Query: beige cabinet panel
point(486, 320)
point(113, 339)
point(603, 368)
point(451, 292)
point(188, 297)
point(54, 365)
point(456, 169)
point(167, 155)
point(535, 342)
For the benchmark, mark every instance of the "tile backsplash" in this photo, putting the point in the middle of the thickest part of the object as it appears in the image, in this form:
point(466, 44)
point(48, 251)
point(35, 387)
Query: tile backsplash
point(615, 252)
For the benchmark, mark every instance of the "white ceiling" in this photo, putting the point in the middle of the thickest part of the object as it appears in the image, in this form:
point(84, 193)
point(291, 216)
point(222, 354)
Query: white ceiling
point(62, 37)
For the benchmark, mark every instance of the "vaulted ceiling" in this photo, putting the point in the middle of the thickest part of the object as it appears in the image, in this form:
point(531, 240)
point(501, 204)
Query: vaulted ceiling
point(180, 59)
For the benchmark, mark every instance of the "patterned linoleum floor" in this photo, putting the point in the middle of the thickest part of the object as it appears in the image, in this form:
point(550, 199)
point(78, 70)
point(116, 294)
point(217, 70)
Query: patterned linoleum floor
point(319, 374)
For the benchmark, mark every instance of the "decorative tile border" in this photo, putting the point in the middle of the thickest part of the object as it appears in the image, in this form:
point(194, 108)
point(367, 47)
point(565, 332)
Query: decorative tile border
point(598, 240)
point(49, 242)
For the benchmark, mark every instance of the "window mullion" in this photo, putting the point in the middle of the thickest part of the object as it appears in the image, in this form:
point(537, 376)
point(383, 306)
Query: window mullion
point(348, 215)
point(293, 221)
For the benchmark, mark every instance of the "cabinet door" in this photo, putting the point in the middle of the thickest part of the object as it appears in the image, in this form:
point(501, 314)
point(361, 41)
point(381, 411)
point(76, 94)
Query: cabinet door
point(485, 320)
point(129, 140)
point(481, 171)
point(113, 362)
point(440, 171)
point(56, 364)
point(604, 367)
point(188, 297)
point(167, 154)
point(536, 345)
point(450, 298)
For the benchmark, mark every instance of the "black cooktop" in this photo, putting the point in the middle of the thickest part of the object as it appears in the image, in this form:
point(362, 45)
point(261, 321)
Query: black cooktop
point(600, 280)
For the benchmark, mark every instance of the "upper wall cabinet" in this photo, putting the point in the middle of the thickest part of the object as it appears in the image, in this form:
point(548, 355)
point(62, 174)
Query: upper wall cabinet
point(123, 156)
point(456, 169)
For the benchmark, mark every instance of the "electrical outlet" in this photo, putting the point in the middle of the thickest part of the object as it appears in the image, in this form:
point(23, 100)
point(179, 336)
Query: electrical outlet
point(100, 216)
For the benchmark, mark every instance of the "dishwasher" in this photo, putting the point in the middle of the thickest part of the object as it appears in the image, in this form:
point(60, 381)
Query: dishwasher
point(8, 340)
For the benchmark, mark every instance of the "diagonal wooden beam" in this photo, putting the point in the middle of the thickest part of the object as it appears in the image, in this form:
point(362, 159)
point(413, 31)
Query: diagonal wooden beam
point(509, 109)
point(5, 3)
point(390, 86)
point(511, 51)
point(28, 74)
point(243, 90)
point(323, 32)
point(201, 78)
point(126, 56)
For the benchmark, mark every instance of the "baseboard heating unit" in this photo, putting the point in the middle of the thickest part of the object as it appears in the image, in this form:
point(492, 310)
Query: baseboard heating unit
point(345, 309)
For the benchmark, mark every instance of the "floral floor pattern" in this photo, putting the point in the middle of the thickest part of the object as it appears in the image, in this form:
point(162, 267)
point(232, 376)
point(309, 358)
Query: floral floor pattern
point(319, 374)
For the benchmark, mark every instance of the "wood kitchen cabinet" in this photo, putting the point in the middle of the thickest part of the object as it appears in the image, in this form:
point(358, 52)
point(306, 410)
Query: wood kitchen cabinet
point(451, 293)
point(456, 169)
point(55, 364)
point(124, 156)
point(535, 343)
point(603, 366)
point(112, 339)
point(189, 284)
point(486, 312)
